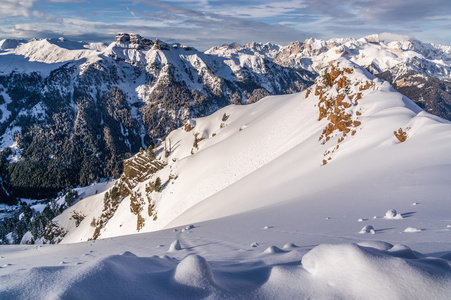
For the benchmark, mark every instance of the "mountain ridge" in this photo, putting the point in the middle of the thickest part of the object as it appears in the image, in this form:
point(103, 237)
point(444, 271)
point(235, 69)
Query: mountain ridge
point(345, 115)
point(141, 89)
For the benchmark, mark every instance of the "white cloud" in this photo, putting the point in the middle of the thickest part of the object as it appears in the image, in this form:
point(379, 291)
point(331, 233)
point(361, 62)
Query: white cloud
point(14, 8)
point(388, 36)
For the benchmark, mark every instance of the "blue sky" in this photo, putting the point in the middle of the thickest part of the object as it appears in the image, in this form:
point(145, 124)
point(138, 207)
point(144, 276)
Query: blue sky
point(205, 23)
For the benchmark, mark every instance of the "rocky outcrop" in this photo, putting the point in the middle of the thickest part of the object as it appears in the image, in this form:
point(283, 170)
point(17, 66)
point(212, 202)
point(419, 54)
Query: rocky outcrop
point(132, 41)
point(339, 91)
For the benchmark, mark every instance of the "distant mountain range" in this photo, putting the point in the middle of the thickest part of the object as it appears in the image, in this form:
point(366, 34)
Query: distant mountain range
point(71, 112)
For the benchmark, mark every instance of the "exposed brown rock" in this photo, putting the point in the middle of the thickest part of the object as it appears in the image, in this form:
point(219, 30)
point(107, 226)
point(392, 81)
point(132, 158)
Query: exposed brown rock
point(333, 108)
point(401, 135)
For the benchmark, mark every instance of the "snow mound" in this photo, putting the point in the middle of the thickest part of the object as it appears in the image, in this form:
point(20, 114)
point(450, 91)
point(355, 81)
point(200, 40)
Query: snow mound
point(114, 277)
point(273, 249)
point(367, 229)
point(357, 271)
point(289, 246)
point(194, 271)
point(412, 229)
point(175, 246)
point(392, 214)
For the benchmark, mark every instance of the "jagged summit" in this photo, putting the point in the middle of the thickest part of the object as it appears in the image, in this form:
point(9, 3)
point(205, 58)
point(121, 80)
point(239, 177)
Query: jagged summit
point(132, 41)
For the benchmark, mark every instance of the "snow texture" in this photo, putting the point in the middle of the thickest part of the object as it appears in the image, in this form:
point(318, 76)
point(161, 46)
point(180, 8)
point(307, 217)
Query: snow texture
point(270, 173)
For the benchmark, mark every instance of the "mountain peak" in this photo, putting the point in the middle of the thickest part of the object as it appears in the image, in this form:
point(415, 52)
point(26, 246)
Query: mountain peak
point(132, 41)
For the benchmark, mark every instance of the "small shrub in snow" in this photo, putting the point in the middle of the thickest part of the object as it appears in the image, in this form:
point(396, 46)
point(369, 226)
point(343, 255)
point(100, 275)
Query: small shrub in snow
point(136, 207)
point(392, 214)
point(197, 139)
point(225, 117)
point(368, 229)
point(189, 125)
point(158, 185)
point(71, 197)
point(54, 233)
point(78, 217)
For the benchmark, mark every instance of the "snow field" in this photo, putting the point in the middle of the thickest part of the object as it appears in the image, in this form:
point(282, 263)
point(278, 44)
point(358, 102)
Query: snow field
point(92, 270)
point(270, 173)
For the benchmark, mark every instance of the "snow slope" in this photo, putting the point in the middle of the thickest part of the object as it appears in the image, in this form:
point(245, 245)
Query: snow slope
point(277, 200)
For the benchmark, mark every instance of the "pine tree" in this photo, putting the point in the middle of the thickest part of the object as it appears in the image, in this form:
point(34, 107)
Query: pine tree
point(158, 185)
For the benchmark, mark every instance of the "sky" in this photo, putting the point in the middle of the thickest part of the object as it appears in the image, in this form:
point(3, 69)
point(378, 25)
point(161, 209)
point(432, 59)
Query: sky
point(207, 23)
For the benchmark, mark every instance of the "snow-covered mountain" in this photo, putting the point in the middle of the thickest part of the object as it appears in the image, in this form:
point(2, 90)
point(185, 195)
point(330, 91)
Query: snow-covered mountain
point(74, 111)
point(419, 70)
point(71, 112)
point(280, 149)
point(340, 191)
